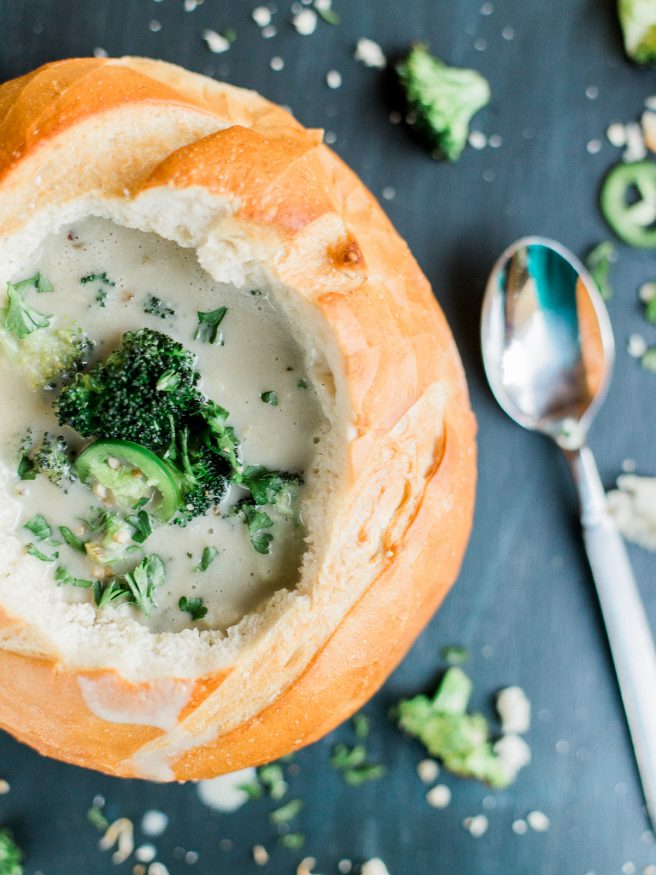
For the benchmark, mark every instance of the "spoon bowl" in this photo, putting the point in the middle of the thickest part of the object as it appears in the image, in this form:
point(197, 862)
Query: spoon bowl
point(547, 341)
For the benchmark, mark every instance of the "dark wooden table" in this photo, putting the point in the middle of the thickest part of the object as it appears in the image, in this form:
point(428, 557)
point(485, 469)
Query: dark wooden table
point(524, 604)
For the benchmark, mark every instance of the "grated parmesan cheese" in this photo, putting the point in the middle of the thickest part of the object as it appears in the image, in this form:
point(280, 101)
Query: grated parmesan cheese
point(633, 507)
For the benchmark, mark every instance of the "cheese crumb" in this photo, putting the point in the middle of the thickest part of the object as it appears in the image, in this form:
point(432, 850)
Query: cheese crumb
point(594, 147)
point(306, 866)
point(635, 143)
point(260, 855)
point(153, 823)
point(616, 135)
point(514, 710)
point(647, 291)
point(370, 54)
point(428, 770)
point(145, 853)
point(514, 754)
point(538, 821)
point(519, 827)
point(277, 64)
point(4, 787)
point(476, 826)
point(305, 22)
point(215, 41)
point(157, 869)
point(333, 79)
point(261, 17)
point(344, 867)
point(99, 52)
point(226, 793)
point(636, 346)
point(375, 866)
point(439, 796)
point(633, 507)
point(477, 140)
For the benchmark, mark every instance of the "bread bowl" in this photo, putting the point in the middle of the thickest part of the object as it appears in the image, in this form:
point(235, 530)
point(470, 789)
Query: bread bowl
point(147, 153)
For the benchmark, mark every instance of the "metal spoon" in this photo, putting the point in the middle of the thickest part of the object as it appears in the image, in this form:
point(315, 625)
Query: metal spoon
point(548, 352)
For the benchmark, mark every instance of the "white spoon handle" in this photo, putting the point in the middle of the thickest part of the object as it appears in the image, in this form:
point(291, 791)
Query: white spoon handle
point(629, 635)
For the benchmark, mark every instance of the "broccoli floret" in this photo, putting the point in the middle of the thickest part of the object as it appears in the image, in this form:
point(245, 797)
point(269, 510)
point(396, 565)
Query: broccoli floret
point(140, 392)
point(638, 20)
point(442, 100)
point(11, 855)
point(49, 356)
point(52, 459)
point(204, 474)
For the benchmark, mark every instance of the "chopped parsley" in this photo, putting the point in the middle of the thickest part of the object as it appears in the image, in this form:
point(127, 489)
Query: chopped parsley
point(361, 725)
point(208, 556)
point(26, 468)
point(454, 654)
point(18, 317)
point(11, 855)
point(270, 397)
point(292, 841)
point(194, 606)
point(302, 384)
point(155, 306)
point(208, 326)
point(96, 818)
point(271, 777)
point(648, 360)
point(257, 521)
point(286, 812)
point(256, 292)
point(266, 486)
point(72, 539)
point(39, 527)
point(599, 262)
point(352, 763)
point(328, 15)
point(137, 587)
point(142, 525)
point(64, 577)
point(34, 551)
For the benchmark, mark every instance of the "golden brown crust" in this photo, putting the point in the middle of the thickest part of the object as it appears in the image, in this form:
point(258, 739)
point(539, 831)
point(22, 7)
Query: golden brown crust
point(395, 347)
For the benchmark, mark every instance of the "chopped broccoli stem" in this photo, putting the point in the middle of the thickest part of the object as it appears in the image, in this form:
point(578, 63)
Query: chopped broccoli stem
point(638, 20)
point(442, 100)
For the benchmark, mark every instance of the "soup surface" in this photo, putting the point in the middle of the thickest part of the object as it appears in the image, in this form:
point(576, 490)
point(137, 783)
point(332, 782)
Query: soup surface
point(106, 280)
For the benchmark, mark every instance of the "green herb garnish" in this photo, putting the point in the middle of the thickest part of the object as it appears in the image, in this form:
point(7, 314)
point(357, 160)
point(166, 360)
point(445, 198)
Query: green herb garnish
point(11, 855)
point(34, 551)
point(194, 607)
point(64, 577)
point(137, 587)
point(39, 527)
point(96, 818)
point(361, 725)
point(257, 521)
point(454, 654)
point(142, 524)
point(302, 384)
point(292, 841)
point(72, 539)
point(208, 325)
point(105, 284)
point(328, 15)
point(648, 360)
point(286, 812)
point(19, 318)
point(270, 397)
point(599, 262)
point(208, 556)
point(271, 776)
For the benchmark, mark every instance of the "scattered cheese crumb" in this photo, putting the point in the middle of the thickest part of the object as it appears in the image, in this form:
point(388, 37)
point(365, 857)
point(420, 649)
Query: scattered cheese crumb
point(629, 466)
point(495, 141)
point(519, 827)
point(594, 146)
point(439, 796)
point(99, 52)
point(538, 821)
point(121, 834)
point(323, 5)
point(260, 855)
point(633, 507)
point(508, 33)
point(562, 746)
point(155, 26)
point(514, 710)
point(514, 754)
point(616, 135)
point(480, 44)
point(4, 787)
point(370, 54)
point(226, 792)
point(592, 92)
point(428, 770)
point(476, 826)
point(629, 868)
point(477, 140)
point(344, 867)
point(153, 823)
point(191, 857)
point(157, 869)
point(635, 144)
point(647, 291)
point(636, 346)
point(395, 117)
point(487, 9)
point(375, 866)
point(192, 5)
point(306, 866)
point(269, 31)
point(276, 64)
point(333, 79)
point(389, 193)
point(648, 122)
point(330, 138)
point(305, 22)
point(261, 17)
point(145, 853)
point(215, 41)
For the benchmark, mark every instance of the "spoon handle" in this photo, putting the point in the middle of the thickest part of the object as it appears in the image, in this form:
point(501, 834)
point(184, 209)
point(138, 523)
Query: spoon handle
point(629, 635)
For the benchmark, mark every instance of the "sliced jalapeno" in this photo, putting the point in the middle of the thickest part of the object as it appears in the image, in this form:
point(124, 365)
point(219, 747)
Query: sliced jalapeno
point(628, 202)
point(132, 474)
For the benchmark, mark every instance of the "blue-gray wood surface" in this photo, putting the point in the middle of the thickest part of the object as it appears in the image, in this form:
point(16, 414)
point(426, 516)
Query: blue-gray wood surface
point(524, 603)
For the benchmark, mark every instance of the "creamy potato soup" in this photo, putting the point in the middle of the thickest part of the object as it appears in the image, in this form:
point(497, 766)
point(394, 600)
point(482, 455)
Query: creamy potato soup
point(147, 492)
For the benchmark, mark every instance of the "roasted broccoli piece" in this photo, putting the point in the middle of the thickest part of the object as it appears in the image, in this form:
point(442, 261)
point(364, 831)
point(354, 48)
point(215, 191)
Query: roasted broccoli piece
point(140, 392)
point(49, 356)
point(204, 473)
point(11, 855)
point(52, 458)
point(638, 20)
point(441, 100)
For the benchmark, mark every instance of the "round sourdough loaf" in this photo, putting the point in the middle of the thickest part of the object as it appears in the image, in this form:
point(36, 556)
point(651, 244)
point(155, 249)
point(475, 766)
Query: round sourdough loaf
point(260, 198)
